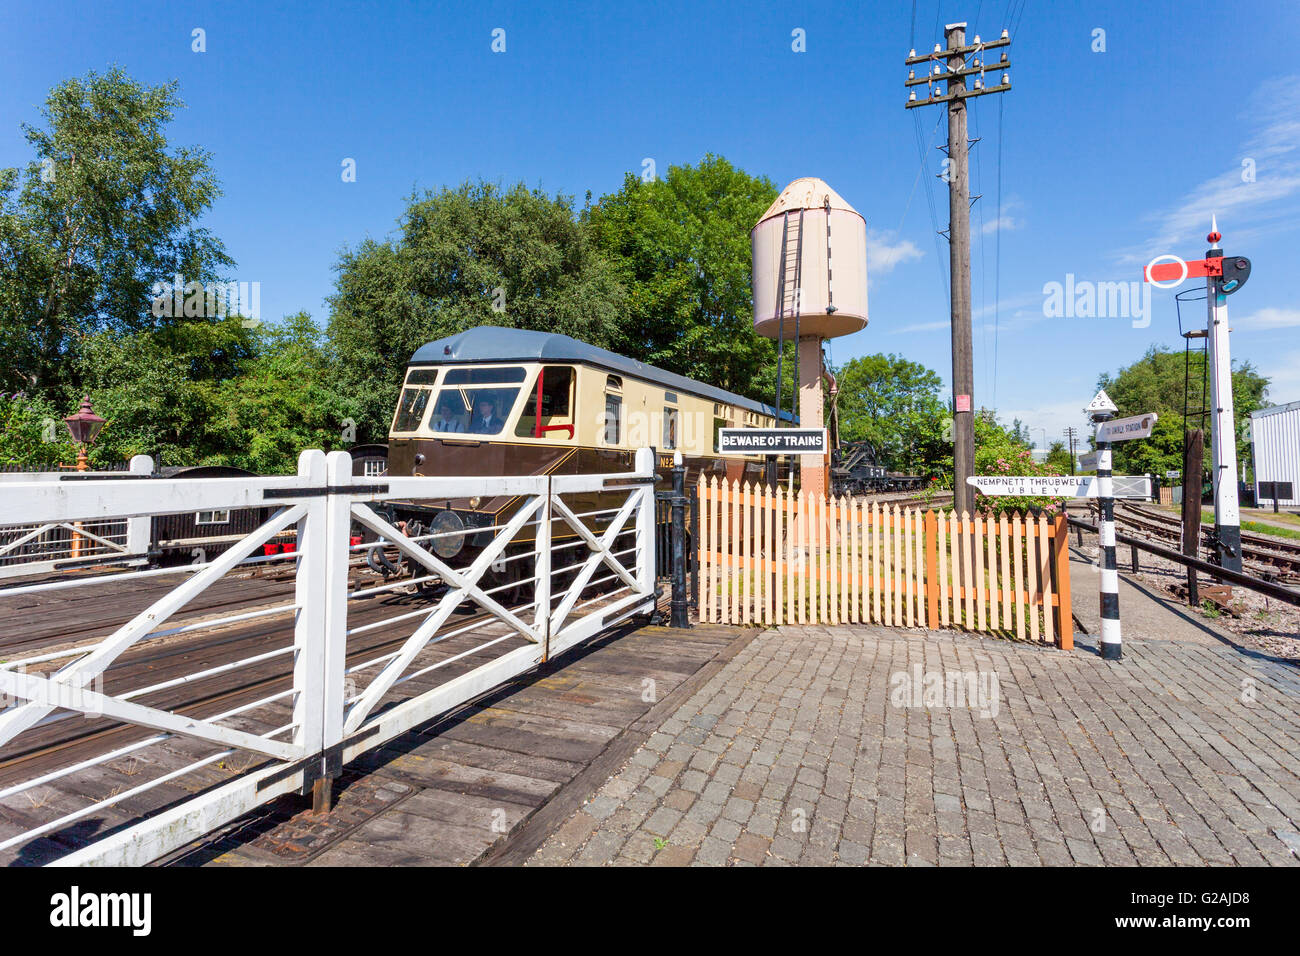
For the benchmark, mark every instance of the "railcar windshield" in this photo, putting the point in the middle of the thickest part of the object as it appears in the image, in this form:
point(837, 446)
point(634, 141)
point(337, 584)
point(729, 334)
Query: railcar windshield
point(476, 401)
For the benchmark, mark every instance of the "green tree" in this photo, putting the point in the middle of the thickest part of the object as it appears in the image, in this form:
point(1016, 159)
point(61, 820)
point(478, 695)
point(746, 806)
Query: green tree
point(281, 402)
point(473, 255)
point(32, 432)
point(1058, 459)
point(104, 210)
point(1156, 383)
point(680, 247)
point(894, 404)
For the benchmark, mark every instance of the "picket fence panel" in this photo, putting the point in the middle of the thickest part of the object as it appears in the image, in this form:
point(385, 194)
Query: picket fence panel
point(770, 557)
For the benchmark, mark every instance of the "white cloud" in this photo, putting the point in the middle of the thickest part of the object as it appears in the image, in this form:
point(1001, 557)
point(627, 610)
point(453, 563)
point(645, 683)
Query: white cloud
point(1268, 318)
point(923, 327)
point(1005, 223)
point(1252, 199)
point(883, 254)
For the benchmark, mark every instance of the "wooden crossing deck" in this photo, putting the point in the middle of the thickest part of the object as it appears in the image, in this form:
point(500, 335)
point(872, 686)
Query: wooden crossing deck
point(488, 783)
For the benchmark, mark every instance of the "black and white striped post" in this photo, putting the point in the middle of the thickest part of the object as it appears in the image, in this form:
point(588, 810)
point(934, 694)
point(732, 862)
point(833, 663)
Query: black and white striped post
point(1111, 642)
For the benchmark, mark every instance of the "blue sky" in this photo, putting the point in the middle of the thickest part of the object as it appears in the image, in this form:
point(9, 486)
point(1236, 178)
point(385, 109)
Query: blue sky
point(1108, 158)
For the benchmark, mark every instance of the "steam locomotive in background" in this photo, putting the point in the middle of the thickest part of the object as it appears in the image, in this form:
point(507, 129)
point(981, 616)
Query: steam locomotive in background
point(855, 472)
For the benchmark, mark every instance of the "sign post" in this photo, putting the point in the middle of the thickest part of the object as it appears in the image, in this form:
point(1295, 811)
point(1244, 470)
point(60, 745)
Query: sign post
point(1102, 410)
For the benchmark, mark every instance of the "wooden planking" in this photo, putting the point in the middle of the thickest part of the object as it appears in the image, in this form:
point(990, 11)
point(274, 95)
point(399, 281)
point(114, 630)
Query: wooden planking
point(1031, 579)
point(1045, 579)
point(993, 574)
point(1019, 593)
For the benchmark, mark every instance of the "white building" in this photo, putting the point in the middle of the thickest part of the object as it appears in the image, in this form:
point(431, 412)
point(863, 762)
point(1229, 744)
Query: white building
point(1275, 451)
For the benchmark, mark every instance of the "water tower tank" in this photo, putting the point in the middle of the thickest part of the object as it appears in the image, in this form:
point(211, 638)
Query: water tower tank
point(839, 282)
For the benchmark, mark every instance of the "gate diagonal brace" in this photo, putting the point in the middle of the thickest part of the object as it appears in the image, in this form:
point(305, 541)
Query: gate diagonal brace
point(85, 669)
point(463, 586)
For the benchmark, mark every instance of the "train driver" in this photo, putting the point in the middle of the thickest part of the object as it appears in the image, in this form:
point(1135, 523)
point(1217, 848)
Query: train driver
point(447, 419)
point(485, 421)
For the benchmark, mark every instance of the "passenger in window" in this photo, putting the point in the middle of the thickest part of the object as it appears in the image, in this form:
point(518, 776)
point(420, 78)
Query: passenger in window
point(485, 420)
point(446, 419)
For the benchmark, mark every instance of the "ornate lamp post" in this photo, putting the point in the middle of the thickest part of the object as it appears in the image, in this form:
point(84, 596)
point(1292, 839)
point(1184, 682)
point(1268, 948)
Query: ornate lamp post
point(83, 427)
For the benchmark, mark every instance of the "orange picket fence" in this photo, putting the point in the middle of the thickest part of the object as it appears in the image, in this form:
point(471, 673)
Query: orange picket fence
point(769, 557)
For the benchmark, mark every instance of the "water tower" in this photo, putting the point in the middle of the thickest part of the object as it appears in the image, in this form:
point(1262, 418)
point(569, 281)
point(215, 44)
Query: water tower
point(810, 284)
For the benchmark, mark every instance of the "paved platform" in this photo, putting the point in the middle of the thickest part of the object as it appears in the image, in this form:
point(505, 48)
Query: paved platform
point(532, 750)
point(1146, 613)
point(818, 745)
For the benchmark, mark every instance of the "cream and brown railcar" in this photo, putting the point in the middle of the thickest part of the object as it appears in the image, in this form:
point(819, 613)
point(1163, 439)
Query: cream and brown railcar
point(470, 406)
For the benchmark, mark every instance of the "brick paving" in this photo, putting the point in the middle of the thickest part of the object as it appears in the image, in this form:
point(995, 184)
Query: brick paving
point(807, 749)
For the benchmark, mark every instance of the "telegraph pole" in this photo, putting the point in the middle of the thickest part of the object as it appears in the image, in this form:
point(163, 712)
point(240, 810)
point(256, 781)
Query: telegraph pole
point(1071, 435)
point(951, 68)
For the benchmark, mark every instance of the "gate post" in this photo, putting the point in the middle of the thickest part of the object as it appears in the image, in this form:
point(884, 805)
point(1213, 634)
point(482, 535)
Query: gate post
point(309, 625)
point(932, 569)
point(139, 527)
point(1061, 583)
point(680, 611)
point(336, 509)
point(542, 573)
point(645, 523)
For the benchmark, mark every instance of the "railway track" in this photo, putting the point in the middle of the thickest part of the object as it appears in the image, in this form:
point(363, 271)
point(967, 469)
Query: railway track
point(910, 499)
point(1267, 558)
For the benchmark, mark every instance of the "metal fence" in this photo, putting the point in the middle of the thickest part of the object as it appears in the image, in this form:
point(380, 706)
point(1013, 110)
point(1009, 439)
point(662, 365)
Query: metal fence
point(339, 669)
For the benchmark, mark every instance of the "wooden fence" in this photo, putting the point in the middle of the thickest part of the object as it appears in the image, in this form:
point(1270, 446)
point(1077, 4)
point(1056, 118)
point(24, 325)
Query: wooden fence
point(768, 557)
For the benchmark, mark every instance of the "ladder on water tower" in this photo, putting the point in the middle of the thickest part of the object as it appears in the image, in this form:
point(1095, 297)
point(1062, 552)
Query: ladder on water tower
point(791, 274)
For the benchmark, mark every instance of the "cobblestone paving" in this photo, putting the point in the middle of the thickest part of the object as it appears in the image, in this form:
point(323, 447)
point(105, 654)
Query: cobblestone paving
point(803, 750)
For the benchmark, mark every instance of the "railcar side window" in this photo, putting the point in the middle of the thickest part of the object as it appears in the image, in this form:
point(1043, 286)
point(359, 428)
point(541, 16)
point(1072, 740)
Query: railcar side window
point(613, 418)
point(670, 429)
point(410, 409)
point(557, 406)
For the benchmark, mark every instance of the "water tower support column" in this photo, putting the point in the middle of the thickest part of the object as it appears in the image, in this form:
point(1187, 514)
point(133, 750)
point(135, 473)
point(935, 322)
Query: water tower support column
point(812, 468)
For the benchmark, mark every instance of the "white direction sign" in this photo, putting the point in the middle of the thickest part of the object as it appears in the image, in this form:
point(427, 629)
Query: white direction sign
point(1122, 429)
point(1059, 486)
point(772, 441)
point(1101, 403)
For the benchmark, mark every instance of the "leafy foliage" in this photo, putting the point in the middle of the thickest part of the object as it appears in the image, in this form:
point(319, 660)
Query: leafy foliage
point(680, 247)
point(1156, 383)
point(894, 404)
point(103, 210)
point(461, 255)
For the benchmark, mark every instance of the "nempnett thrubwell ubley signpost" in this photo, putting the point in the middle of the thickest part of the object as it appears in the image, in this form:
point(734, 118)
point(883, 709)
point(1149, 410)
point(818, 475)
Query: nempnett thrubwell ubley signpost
point(1101, 411)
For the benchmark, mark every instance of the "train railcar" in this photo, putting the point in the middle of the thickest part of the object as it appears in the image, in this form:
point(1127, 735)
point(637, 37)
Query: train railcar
point(855, 471)
point(497, 401)
point(198, 536)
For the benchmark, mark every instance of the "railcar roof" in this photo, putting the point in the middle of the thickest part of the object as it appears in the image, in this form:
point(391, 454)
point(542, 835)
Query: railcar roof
point(491, 343)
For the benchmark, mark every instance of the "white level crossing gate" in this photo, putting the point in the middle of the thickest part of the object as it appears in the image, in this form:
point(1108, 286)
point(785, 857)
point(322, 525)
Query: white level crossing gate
point(593, 568)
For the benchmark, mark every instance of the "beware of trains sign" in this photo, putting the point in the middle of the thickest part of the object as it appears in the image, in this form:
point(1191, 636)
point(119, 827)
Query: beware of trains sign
point(772, 441)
